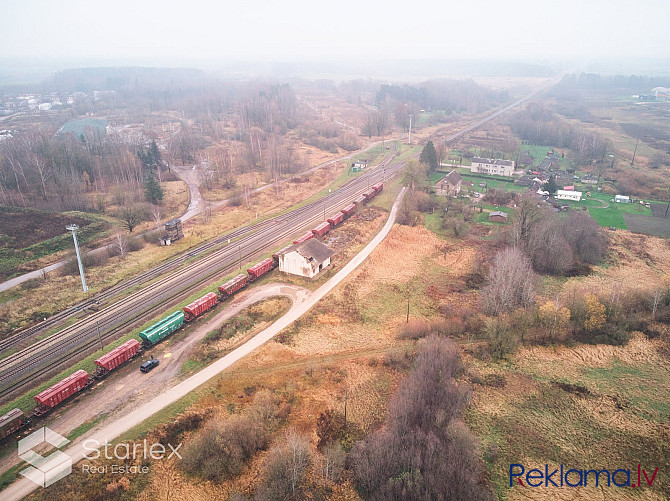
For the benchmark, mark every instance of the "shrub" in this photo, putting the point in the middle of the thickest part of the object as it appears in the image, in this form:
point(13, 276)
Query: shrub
point(221, 449)
point(135, 244)
point(502, 338)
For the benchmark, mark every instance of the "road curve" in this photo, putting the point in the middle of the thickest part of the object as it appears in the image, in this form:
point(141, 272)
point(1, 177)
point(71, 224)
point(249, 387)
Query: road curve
point(109, 432)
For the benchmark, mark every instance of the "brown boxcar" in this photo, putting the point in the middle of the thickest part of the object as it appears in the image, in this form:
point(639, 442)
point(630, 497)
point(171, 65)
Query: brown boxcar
point(349, 210)
point(261, 268)
point(336, 219)
point(233, 285)
point(50, 398)
point(322, 229)
point(110, 361)
point(360, 201)
point(200, 306)
point(11, 422)
point(304, 238)
point(378, 187)
point(370, 193)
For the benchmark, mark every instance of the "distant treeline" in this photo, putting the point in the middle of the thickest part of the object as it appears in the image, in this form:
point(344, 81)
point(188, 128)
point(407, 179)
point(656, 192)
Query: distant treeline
point(593, 81)
point(447, 95)
point(123, 78)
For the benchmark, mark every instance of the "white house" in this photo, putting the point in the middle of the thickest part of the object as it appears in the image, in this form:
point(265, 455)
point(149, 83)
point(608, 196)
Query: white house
point(623, 199)
point(492, 166)
point(569, 195)
point(305, 259)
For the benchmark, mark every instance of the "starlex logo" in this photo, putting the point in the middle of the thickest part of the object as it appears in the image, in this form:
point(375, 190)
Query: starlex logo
point(577, 477)
point(44, 471)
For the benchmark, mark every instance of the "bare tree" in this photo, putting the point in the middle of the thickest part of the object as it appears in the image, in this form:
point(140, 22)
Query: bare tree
point(656, 299)
point(331, 463)
point(526, 217)
point(510, 284)
point(156, 215)
point(121, 244)
point(286, 467)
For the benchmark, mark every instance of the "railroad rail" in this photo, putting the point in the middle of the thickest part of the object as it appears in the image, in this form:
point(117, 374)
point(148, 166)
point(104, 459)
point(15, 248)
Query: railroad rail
point(24, 366)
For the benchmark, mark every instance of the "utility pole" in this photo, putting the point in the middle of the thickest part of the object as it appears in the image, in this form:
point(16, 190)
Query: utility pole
point(346, 397)
point(635, 151)
point(409, 133)
point(407, 320)
point(97, 324)
point(73, 228)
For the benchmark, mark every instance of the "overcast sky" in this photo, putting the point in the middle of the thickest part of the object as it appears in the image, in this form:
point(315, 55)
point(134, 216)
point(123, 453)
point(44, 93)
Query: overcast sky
point(299, 29)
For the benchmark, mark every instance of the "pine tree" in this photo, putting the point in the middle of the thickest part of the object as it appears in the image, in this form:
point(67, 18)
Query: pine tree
point(154, 154)
point(550, 186)
point(152, 190)
point(429, 156)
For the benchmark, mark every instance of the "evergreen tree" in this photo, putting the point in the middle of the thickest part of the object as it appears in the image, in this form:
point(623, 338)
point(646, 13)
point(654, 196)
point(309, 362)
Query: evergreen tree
point(550, 186)
point(154, 154)
point(429, 156)
point(152, 190)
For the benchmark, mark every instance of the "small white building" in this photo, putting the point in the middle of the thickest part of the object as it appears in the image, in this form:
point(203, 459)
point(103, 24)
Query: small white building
point(569, 195)
point(305, 259)
point(492, 166)
point(622, 199)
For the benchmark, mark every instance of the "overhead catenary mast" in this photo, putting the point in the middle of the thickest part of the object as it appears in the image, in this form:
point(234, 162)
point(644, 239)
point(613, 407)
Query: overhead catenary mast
point(73, 228)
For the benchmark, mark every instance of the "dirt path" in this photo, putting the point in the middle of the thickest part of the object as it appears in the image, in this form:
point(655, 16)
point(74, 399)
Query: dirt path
point(191, 176)
point(114, 426)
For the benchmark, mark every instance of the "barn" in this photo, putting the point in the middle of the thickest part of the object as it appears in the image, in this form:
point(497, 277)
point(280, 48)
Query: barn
point(305, 259)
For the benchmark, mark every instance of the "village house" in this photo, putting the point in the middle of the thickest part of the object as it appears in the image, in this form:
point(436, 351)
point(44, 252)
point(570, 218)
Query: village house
point(449, 185)
point(305, 259)
point(492, 166)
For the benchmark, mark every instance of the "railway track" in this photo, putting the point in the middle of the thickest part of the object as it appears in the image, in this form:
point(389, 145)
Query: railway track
point(220, 259)
point(104, 296)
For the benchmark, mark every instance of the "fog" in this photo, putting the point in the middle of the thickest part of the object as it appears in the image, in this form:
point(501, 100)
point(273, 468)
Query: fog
point(209, 33)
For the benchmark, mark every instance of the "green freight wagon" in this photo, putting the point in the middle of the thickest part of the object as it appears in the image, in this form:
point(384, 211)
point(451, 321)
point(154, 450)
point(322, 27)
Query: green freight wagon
point(162, 329)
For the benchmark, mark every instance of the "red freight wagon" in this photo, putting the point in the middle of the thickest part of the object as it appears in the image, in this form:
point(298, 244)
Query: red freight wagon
point(304, 238)
point(336, 219)
point(349, 210)
point(110, 361)
point(261, 268)
point(233, 285)
point(11, 422)
point(200, 306)
point(50, 398)
point(378, 187)
point(321, 230)
point(370, 193)
point(360, 201)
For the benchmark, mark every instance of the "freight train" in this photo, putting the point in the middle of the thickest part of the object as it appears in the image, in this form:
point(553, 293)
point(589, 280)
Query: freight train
point(50, 398)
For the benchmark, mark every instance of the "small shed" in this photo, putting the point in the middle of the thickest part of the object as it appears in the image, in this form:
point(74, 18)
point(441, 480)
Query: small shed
point(498, 216)
point(621, 199)
point(359, 165)
point(305, 259)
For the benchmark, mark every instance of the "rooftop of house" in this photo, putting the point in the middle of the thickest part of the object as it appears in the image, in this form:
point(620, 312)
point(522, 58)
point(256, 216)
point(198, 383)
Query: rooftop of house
point(312, 250)
point(494, 161)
